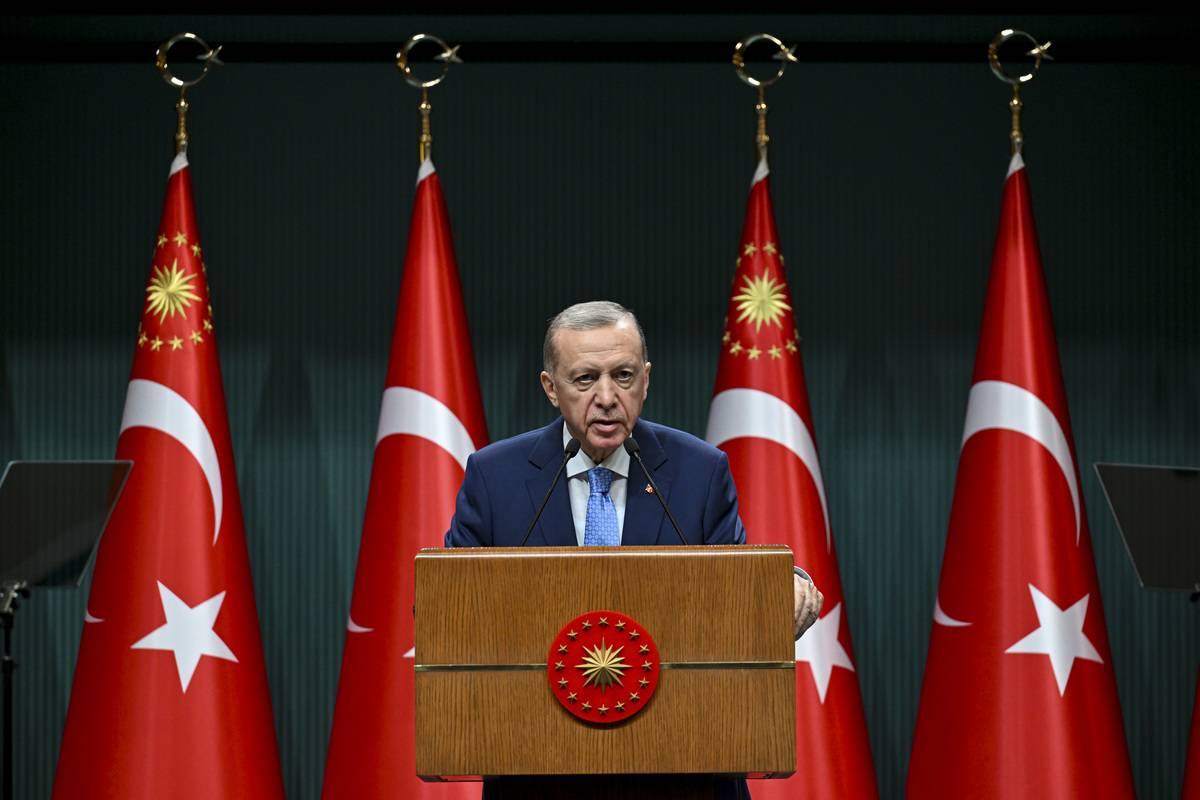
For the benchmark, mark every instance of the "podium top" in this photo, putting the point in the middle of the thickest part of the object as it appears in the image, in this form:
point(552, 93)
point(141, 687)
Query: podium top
point(51, 516)
point(1157, 510)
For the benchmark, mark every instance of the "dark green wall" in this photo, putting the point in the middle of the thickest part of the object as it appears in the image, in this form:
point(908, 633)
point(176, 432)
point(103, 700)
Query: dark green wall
point(626, 180)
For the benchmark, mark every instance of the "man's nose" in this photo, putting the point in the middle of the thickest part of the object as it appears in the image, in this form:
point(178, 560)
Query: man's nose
point(606, 392)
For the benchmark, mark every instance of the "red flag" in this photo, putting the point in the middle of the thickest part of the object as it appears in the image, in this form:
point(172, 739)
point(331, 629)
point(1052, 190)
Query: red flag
point(1020, 699)
point(1191, 773)
point(170, 696)
point(431, 420)
point(760, 416)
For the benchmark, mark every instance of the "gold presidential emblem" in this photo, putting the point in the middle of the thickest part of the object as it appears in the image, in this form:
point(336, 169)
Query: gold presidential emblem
point(602, 665)
point(761, 300)
point(592, 676)
point(170, 292)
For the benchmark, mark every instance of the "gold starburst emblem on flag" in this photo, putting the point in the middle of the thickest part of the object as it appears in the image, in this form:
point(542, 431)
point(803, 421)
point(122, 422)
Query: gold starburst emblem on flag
point(170, 291)
point(761, 300)
point(602, 665)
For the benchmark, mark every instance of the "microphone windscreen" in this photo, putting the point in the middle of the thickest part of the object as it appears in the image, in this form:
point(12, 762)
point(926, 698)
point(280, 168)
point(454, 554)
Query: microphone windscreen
point(573, 446)
point(631, 445)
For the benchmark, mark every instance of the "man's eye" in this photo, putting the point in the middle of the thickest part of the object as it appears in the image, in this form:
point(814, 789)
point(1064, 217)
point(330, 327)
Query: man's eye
point(583, 381)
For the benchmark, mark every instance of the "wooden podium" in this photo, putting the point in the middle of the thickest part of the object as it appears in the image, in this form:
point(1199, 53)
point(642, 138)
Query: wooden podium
point(721, 617)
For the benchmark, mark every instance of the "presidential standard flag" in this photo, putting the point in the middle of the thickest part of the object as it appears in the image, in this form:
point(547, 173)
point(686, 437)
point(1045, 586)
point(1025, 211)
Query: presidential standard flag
point(1019, 698)
point(430, 421)
point(170, 695)
point(760, 416)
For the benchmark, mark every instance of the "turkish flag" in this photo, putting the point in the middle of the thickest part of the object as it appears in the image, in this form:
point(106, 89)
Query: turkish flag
point(431, 420)
point(1019, 698)
point(760, 416)
point(170, 696)
point(1191, 773)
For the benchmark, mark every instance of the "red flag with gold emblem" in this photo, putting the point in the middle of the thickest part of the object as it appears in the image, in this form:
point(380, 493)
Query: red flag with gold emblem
point(430, 421)
point(1019, 698)
point(760, 416)
point(170, 696)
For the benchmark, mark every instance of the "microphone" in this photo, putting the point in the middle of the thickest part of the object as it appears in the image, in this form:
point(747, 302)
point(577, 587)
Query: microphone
point(568, 453)
point(631, 447)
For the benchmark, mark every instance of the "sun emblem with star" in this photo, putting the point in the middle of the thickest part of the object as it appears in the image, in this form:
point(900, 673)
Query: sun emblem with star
point(761, 300)
point(170, 291)
point(603, 666)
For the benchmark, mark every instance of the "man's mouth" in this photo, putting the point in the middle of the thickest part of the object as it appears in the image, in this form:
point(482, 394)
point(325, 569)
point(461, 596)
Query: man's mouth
point(606, 427)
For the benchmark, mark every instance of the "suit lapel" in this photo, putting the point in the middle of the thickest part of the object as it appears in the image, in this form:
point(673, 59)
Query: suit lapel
point(556, 526)
point(643, 513)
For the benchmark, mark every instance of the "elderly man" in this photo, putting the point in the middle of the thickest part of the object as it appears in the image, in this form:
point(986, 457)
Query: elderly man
point(597, 375)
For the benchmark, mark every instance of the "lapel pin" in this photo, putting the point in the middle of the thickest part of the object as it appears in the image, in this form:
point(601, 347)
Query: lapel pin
point(649, 489)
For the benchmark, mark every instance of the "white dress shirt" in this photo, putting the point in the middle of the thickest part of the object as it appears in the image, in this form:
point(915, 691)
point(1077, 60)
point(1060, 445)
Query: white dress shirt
point(580, 489)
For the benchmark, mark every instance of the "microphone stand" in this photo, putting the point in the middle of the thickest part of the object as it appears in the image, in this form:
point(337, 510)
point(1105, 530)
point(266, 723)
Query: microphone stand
point(635, 450)
point(569, 452)
point(8, 613)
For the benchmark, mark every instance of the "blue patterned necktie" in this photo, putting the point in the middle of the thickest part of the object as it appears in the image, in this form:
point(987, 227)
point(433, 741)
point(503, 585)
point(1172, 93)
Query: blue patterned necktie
point(601, 525)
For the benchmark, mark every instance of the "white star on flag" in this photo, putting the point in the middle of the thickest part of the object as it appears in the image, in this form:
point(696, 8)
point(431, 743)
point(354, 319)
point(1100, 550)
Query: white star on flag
point(1059, 635)
point(187, 633)
point(820, 647)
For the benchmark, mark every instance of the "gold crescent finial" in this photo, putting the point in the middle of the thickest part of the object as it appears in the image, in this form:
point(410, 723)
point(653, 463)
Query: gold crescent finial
point(785, 55)
point(1038, 52)
point(448, 56)
point(209, 58)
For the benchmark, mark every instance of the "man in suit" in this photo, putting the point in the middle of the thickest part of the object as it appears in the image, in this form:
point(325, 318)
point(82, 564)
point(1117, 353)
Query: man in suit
point(597, 375)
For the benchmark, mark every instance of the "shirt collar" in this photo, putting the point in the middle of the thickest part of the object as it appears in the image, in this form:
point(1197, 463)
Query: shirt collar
point(617, 461)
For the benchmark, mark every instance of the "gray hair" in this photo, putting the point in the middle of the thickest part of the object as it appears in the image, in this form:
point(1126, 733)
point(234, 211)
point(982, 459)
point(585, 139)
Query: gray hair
point(586, 317)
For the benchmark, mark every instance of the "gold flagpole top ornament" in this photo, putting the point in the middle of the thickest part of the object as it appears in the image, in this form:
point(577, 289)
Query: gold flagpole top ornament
point(208, 58)
point(785, 55)
point(1038, 52)
point(448, 56)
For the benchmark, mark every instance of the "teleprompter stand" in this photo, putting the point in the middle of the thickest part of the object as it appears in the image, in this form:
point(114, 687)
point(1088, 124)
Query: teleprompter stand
point(51, 517)
point(1157, 510)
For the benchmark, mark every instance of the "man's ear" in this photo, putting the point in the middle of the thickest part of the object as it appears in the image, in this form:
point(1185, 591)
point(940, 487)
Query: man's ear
point(548, 388)
point(646, 382)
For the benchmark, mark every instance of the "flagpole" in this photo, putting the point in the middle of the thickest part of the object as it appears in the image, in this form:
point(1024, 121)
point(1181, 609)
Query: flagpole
point(1016, 139)
point(209, 58)
point(785, 56)
point(8, 612)
point(448, 56)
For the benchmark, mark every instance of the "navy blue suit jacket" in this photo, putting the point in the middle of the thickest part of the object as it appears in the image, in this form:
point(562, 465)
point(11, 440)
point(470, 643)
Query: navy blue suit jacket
point(505, 482)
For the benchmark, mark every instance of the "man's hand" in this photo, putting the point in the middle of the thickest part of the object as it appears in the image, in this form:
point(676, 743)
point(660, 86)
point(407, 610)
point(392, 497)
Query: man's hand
point(808, 604)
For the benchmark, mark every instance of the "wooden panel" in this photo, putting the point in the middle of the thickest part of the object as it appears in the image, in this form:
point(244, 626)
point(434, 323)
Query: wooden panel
point(507, 723)
point(682, 595)
point(503, 607)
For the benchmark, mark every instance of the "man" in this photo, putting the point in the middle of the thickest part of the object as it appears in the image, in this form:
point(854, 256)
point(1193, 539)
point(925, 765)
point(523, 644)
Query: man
point(597, 375)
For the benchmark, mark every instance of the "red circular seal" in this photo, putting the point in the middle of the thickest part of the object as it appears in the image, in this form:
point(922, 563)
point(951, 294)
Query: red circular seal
point(603, 667)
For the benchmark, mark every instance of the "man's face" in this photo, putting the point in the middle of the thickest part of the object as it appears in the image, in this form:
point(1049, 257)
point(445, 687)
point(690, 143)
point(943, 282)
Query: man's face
point(599, 385)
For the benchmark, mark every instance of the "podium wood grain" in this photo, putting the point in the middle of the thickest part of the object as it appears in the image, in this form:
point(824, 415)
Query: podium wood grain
point(488, 609)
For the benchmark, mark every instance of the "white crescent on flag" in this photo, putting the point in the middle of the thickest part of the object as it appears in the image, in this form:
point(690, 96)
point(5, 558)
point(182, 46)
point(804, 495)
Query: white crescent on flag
point(1000, 405)
point(152, 405)
point(737, 413)
point(942, 618)
point(415, 413)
